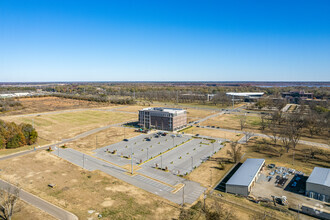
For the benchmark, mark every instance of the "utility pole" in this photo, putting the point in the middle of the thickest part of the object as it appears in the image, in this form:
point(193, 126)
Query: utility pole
point(84, 161)
point(183, 194)
point(95, 141)
point(132, 159)
point(161, 161)
point(147, 153)
point(233, 101)
point(204, 199)
point(211, 178)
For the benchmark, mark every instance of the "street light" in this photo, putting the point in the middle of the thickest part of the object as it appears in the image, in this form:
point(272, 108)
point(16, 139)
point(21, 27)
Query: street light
point(147, 153)
point(192, 163)
point(161, 161)
point(132, 159)
point(183, 194)
point(84, 161)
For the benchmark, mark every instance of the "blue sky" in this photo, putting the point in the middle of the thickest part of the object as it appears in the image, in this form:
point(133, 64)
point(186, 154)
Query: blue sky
point(164, 40)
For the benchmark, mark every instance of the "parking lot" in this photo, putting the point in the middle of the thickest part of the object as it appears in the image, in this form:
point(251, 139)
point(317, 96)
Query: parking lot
point(182, 160)
point(179, 154)
point(143, 147)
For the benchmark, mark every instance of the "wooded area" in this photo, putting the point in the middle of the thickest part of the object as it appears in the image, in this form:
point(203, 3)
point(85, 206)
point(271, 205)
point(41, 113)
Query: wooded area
point(14, 136)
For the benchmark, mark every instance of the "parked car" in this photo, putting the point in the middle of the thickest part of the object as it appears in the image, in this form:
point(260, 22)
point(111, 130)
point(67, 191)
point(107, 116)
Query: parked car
point(271, 166)
point(196, 135)
point(125, 139)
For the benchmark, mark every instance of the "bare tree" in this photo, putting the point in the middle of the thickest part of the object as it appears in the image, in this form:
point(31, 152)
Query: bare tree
point(285, 139)
point(8, 199)
point(242, 121)
point(248, 135)
point(235, 151)
point(263, 122)
point(295, 124)
point(274, 129)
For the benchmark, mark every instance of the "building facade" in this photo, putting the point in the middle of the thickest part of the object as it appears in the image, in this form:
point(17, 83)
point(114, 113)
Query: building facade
point(168, 119)
point(245, 177)
point(318, 184)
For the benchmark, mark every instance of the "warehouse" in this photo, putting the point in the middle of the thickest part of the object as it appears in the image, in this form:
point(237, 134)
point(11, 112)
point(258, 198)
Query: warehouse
point(318, 184)
point(169, 119)
point(244, 178)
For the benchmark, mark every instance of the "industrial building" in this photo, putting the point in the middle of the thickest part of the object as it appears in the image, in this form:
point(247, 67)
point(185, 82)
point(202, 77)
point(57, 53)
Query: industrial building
point(245, 177)
point(168, 119)
point(318, 184)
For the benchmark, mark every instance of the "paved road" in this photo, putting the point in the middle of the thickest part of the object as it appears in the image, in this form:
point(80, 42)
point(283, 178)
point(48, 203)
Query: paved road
point(53, 210)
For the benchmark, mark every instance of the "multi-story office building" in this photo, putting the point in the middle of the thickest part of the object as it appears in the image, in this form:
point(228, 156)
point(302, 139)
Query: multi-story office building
point(169, 119)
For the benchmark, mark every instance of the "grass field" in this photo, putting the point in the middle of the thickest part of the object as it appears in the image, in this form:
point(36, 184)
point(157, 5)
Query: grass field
point(214, 133)
point(231, 121)
point(46, 104)
point(26, 211)
point(101, 139)
point(78, 190)
point(55, 127)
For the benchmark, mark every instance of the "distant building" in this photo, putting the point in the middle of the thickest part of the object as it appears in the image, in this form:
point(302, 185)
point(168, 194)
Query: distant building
point(297, 96)
point(245, 96)
point(318, 184)
point(245, 177)
point(169, 119)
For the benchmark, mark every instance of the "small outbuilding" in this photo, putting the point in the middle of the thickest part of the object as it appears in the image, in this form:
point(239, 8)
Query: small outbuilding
point(318, 184)
point(245, 177)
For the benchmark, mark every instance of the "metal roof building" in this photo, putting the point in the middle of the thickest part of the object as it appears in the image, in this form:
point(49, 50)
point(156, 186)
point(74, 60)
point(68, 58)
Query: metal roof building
point(318, 184)
point(244, 178)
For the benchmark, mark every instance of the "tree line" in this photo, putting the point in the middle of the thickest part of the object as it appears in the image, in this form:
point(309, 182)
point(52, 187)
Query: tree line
point(15, 136)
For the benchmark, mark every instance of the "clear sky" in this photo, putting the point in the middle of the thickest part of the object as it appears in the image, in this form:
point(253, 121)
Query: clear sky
point(164, 40)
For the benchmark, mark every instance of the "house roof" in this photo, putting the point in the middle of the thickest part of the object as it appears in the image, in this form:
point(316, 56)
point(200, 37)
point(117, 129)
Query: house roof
point(246, 173)
point(320, 176)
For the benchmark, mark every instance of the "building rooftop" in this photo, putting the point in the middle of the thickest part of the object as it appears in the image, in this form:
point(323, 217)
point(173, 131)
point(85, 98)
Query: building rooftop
point(168, 110)
point(320, 176)
point(245, 93)
point(245, 174)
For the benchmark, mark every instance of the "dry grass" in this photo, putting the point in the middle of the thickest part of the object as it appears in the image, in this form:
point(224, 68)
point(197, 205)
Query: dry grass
point(214, 133)
point(54, 127)
point(230, 121)
point(268, 152)
point(103, 138)
point(208, 173)
point(26, 211)
point(46, 104)
point(78, 190)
